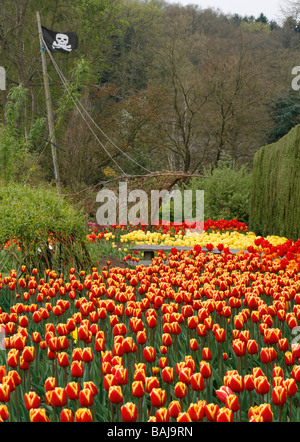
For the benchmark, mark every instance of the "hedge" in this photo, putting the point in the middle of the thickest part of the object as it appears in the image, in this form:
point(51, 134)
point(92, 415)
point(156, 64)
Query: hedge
point(275, 188)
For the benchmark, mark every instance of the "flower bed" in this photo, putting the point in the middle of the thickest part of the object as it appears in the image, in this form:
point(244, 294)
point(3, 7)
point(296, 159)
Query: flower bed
point(205, 338)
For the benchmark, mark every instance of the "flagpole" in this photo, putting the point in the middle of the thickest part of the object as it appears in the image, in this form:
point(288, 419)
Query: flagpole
point(49, 107)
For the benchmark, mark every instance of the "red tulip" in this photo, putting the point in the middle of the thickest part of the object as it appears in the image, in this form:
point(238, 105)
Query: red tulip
point(4, 392)
point(76, 369)
point(252, 347)
point(184, 417)
point(197, 382)
point(180, 390)
point(168, 375)
point(291, 386)
point(66, 415)
point(197, 411)
point(32, 400)
point(194, 345)
point(38, 415)
point(115, 394)
point(205, 369)
point(13, 358)
point(28, 354)
point(58, 397)
point(236, 383)
point(185, 375)
point(72, 390)
point(224, 415)
point(137, 389)
point(149, 354)
point(162, 415)
point(158, 397)
point(211, 412)
point(174, 409)
point(4, 414)
point(86, 398)
point(63, 359)
point(83, 415)
point(232, 402)
point(261, 385)
point(129, 412)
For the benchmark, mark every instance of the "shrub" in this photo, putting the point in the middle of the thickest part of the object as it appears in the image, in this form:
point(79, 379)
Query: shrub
point(38, 218)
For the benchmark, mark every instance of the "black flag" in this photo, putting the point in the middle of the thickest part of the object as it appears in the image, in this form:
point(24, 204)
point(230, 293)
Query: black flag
point(63, 42)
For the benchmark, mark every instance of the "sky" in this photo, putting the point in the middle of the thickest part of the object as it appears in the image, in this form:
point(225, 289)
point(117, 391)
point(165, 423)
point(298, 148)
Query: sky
point(271, 8)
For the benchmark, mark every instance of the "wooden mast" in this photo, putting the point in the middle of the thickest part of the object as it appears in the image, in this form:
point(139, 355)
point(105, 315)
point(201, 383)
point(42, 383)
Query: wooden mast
point(49, 107)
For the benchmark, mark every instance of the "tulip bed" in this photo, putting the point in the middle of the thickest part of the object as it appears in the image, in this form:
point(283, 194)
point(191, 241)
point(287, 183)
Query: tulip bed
point(203, 338)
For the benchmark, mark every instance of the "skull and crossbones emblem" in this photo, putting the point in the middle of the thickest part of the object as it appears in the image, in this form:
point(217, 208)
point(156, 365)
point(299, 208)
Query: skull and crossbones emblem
point(61, 42)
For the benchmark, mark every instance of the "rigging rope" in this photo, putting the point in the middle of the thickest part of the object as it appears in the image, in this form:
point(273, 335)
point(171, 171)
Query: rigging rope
point(79, 104)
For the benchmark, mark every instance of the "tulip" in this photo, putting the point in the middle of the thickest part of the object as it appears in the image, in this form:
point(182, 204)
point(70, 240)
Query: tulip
point(63, 359)
point(232, 402)
point(262, 413)
point(4, 392)
point(279, 395)
point(184, 417)
point(289, 359)
point(174, 409)
point(236, 383)
point(168, 375)
point(239, 347)
point(66, 415)
point(13, 358)
point(4, 414)
point(166, 339)
point(149, 354)
point(137, 389)
point(223, 392)
point(50, 383)
point(2, 372)
point(194, 345)
point(158, 397)
point(76, 369)
point(121, 375)
point(220, 335)
point(38, 415)
point(139, 375)
point(150, 383)
point(197, 411)
point(162, 415)
point(180, 390)
point(32, 400)
point(261, 385)
point(211, 412)
point(28, 354)
point(290, 386)
point(129, 412)
point(72, 390)
point(86, 398)
point(224, 415)
point(205, 369)
point(115, 394)
point(83, 415)
point(58, 397)
point(91, 386)
point(197, 382)
point(185, 375)
point(295, 373)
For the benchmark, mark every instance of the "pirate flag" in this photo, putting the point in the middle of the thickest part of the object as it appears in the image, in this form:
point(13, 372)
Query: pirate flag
point(60, 42)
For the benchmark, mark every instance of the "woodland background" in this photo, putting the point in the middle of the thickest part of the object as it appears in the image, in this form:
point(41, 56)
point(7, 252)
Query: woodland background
point(176, 88)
